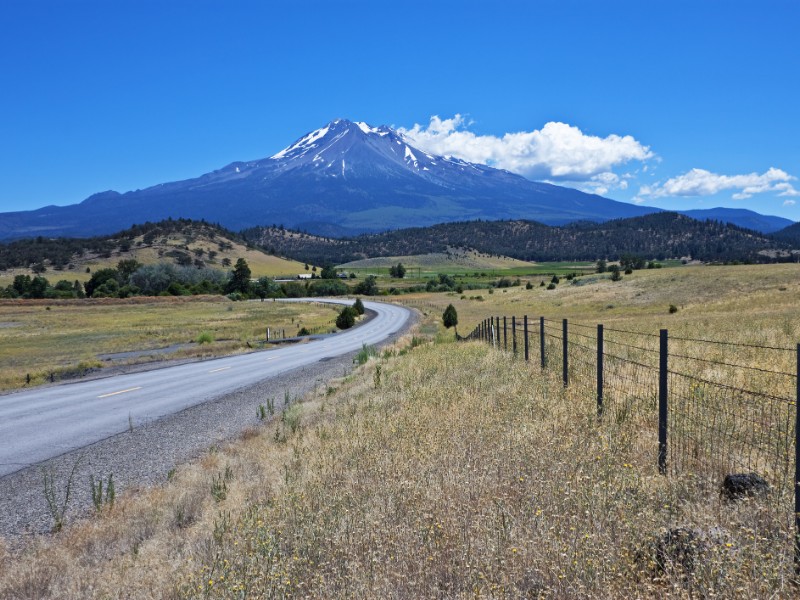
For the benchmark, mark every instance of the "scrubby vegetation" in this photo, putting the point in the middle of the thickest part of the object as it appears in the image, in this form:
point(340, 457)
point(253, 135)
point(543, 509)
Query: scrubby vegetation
point(659, 235)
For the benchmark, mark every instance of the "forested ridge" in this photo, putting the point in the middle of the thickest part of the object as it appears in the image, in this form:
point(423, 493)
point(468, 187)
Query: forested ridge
point(659, 236)
point(656, 236)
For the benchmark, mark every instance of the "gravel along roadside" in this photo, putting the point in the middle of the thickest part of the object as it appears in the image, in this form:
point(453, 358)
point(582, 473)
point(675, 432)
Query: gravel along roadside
point(144, 455)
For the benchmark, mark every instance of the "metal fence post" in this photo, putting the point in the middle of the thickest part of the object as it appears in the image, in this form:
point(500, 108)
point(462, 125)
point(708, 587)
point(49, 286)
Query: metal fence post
point(599, 371)
point(514, 334)
point(662, 401)
point(505, 335)
point(497, 321)
point(541, 343)
point(525, 331)
point(797, 472)
point(565, 358)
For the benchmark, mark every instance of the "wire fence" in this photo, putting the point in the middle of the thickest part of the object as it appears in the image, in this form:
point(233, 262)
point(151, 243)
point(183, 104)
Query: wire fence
point(713, 407)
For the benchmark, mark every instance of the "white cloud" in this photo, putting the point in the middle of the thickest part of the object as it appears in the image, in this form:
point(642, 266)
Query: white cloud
point(556, 152)
point(699, 182)
point(789, 202)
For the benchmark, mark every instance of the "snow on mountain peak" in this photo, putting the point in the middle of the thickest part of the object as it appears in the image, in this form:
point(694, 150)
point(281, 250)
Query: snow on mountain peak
point(381, 131)
point(343, 147)
point(305, 143)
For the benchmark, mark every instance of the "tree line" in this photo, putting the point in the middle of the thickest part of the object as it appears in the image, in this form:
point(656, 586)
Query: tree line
point(131, 278)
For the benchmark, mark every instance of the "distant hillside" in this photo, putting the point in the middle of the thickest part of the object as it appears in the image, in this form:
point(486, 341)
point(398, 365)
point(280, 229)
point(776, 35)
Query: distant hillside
point(182, 242)
point(790, 235)
point(658, 235)
point(742, 217)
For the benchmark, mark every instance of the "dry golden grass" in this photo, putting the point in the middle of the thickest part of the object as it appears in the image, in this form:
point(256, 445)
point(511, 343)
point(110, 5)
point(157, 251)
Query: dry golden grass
point(447, 472)
point(756, 303)
point(452, 471)
point(65, 337)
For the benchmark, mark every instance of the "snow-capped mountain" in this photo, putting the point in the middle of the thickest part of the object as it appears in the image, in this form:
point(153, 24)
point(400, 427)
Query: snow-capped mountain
point(346, 177)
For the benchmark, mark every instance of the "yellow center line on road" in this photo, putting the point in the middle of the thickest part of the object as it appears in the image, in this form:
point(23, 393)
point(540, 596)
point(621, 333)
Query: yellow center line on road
point(133, 389)
point(220, 369)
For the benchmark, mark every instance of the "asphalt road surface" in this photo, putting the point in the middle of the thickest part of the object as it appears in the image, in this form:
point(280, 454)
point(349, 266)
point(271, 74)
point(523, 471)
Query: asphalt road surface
point(42, 423)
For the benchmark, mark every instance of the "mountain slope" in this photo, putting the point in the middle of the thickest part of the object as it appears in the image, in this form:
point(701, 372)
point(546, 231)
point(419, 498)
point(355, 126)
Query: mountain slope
point(343, 178)
point(790, 234)
point(659, 235)
point(740, 217)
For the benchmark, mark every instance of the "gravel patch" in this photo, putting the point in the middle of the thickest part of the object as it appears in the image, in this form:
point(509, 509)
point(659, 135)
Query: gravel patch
point(145, 455)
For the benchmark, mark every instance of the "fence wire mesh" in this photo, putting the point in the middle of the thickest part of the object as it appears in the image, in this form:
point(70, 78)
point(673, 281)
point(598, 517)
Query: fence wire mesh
point(730, 407)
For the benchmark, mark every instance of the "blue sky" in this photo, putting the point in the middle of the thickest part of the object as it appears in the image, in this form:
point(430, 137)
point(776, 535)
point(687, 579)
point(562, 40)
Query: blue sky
point(673, 104)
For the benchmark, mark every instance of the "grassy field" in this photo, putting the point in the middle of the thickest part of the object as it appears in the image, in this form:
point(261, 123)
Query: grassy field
point(422, 268)
point(449, 470)
point(711, 301)
point(440, 262)
point(66, 337)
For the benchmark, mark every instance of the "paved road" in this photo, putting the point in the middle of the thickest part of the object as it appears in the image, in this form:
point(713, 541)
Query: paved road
point(42, 423)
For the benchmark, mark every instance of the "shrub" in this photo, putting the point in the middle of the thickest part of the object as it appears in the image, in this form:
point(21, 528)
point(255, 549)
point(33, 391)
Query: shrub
point(529, 286)
point(328, 287)
point(346, 318)
point(397, 271)
point(673, 309)
point(358, 305)
point(450, 316)
point(293, 289)
point(206, 337)
point(368, 287)
point(365, 354)
point(552, 286)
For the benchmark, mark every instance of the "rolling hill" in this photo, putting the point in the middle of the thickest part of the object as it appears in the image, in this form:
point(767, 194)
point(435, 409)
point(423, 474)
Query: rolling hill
point(658, 235)
point(181, 242)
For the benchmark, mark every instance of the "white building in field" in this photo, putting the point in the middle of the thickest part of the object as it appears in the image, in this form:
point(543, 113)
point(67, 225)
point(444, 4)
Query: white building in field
point(304, 276)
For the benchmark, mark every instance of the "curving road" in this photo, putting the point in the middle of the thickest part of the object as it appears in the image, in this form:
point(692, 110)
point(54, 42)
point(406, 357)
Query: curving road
point(42, 423)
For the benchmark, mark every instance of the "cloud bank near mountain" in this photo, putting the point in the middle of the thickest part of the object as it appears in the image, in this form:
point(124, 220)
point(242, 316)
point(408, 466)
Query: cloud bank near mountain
point(558, 152)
